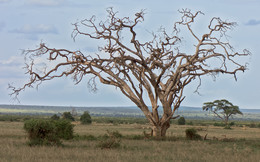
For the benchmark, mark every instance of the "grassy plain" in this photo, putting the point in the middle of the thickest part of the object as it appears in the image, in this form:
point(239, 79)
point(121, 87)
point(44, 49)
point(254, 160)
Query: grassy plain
point(238, 144)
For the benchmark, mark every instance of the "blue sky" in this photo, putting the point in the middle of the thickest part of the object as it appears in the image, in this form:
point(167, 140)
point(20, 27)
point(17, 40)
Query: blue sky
point(26, 23)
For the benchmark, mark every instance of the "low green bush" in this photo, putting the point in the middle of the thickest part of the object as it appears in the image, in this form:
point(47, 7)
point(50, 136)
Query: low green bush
point(252, 125)
point(219, 124)
point(48, 132)
point(110, 140)
point(109, 143)
point(232, 123)
point(55, 117)
point(64, 129)
point(41, 132)
point(227, 127)
point(191, 134)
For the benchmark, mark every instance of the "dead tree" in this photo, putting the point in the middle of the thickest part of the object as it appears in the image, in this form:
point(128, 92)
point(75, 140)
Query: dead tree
point(157, 68)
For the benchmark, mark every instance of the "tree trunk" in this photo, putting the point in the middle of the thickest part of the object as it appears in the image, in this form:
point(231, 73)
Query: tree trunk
point(165, 128)
point(159, 131)
point(226, 121)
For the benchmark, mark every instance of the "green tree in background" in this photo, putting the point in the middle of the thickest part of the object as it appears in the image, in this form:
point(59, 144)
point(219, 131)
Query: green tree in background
point(223, 109)
point(181, 121)
point(68, 116)
point(85, 118)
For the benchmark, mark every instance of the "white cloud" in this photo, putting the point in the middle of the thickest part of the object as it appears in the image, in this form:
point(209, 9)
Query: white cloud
point(32, 32)
point(45, 2)
point(12, 67)
point(37, 29)
point(12, 61)
point(253, 22)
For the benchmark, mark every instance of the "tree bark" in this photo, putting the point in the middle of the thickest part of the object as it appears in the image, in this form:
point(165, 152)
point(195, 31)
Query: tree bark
point(159, 131)
point(165, 128)
point(226, 121)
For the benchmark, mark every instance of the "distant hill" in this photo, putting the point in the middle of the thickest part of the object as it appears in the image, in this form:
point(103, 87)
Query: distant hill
point(131, 111)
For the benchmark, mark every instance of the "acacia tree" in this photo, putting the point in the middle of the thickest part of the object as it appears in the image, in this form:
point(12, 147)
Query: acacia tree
point(157, 68)
point(223, 109)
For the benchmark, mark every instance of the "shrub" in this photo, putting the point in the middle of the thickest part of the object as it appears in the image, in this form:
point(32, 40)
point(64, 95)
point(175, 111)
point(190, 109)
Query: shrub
point(252, 125)
point(85, 118)
point(64, 129)
point(110, 140)
point(109, 143)
point(68, 116)
point(55, 117)
point(191, 134)
point(41, 132)
point(232, 123)
point(227, 127)
point(181, 121)
point(219, 124)
point(47, 132)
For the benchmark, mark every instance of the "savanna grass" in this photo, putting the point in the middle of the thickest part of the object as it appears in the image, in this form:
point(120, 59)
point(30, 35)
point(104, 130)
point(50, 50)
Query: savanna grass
point(238, 144)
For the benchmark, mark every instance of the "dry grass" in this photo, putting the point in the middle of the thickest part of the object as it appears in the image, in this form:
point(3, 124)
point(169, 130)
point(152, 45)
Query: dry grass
point(14, 148)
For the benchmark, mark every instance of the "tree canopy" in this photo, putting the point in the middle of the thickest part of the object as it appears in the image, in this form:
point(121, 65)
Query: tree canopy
point(223, 109)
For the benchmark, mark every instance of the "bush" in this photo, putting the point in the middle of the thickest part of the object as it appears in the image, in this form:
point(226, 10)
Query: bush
point(191, 134)
point(85, 118)
point(181, 121)
point(232, 123)
point(41, 132)
point(227, 127)
point(55, 117)
point(48, 132)
point(109, 143)
point(68, 116)
point(252, 125)
point(219, 124)
point(64, 129)
point(110, 140)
